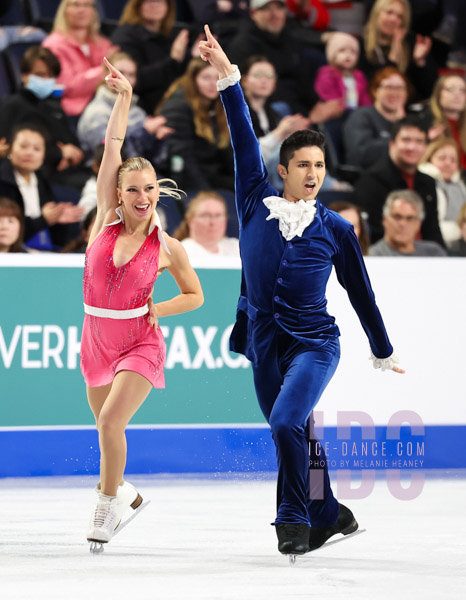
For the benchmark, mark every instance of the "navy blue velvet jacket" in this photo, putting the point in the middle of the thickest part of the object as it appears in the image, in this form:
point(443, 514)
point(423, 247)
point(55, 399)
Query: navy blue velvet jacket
point(284, 282)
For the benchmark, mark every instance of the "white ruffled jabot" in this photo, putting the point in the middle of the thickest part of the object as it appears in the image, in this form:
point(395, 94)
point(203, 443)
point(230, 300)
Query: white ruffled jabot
point(293, 217)
point(386, 364)
point(155, 222)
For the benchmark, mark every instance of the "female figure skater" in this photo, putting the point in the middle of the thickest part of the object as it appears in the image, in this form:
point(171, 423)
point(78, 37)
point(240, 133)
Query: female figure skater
point(122, 348)
point(289, 246)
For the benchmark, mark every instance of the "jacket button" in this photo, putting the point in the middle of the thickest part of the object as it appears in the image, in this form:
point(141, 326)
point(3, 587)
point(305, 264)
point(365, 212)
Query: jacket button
point(284, 263)
point(276, 315)
point(279, 280)
point(277, 298)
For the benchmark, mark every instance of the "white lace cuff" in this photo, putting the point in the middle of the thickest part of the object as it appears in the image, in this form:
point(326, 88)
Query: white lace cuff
point(222, 84)
point(386, 364)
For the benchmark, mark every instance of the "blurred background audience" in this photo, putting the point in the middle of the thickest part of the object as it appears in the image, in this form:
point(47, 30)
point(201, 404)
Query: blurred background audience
point(458, 248)
point(200, 142)
point(304, 63)
point(79, 244)
point(339, 79)
point(398, 169)
point(11, 226)
point(442, 162)
point(203, 230)
point(146, 32)
point(76, 42)
point(353, 215)
point(21, 179)
point(403, 213)
point(388, 40)
point(366, 132)
point(144, 133)
point(447, 115)
point(259, 81)
point(37, 102)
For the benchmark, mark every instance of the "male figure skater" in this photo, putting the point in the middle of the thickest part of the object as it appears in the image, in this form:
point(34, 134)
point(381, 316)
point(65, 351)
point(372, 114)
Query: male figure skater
point(289, 246)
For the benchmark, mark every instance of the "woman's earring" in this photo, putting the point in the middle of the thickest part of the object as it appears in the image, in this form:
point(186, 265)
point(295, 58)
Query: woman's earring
point(119, 200)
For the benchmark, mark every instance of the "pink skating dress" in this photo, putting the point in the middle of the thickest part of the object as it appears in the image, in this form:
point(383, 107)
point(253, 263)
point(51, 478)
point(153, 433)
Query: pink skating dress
point(111, 345)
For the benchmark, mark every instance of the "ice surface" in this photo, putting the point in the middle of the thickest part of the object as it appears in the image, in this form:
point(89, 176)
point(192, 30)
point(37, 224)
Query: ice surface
point(209, 539)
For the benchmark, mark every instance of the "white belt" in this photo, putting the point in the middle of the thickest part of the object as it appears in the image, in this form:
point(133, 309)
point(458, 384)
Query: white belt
point(108, 313)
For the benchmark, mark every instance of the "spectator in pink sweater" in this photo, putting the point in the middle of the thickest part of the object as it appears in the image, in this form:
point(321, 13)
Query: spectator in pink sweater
point(76, 42)
point(340, 79)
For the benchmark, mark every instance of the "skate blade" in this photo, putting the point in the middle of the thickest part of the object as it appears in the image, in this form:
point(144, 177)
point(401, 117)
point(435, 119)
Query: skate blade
point(122, 524)
point(96, 547)
point(293, 557)
point(341, 539)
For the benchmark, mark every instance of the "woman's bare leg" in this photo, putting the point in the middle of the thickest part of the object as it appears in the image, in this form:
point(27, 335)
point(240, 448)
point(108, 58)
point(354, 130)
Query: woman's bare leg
point(96, 397)
point(128, 392)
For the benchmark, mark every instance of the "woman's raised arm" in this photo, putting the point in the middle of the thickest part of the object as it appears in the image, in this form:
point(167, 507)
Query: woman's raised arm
point(107, 199)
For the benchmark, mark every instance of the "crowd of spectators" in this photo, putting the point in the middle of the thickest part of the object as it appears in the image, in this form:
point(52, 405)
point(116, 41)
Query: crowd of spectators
point(388, 90)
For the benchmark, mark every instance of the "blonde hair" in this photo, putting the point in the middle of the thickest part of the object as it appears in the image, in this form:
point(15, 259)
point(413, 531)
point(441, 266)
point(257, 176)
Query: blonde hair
point(371, 37)
point(437, 111)
point(200, 105)
point(132, 15)
point(438, 144)
point(60, 24)
point(182, 231)
point(138, 163)
point(462, 216)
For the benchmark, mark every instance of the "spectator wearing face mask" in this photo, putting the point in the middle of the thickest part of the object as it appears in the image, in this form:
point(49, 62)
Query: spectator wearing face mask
point(37, 102)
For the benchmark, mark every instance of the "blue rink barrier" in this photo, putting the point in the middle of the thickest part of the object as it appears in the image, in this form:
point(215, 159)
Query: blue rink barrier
point(221, 449)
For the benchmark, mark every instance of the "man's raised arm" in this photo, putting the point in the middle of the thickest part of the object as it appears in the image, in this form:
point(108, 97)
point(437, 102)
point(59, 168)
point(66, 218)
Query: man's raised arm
point(250, 171)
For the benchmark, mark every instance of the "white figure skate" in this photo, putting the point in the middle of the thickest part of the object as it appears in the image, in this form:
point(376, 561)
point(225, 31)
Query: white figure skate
point(127, 497)
point(103, 521)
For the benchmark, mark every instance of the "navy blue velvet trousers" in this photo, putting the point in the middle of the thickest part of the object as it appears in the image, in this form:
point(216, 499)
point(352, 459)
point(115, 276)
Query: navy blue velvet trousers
point(289, 381)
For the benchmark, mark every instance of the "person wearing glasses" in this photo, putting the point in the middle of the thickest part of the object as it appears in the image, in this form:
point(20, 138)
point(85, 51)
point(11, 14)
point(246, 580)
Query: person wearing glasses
point(397, 170)
point(203, 229)
point(403, 213)
point(366, 131)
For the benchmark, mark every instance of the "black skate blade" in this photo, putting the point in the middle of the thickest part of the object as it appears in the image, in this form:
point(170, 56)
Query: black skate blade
point(340, 539)
point(293, 557)
point(136, 511)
